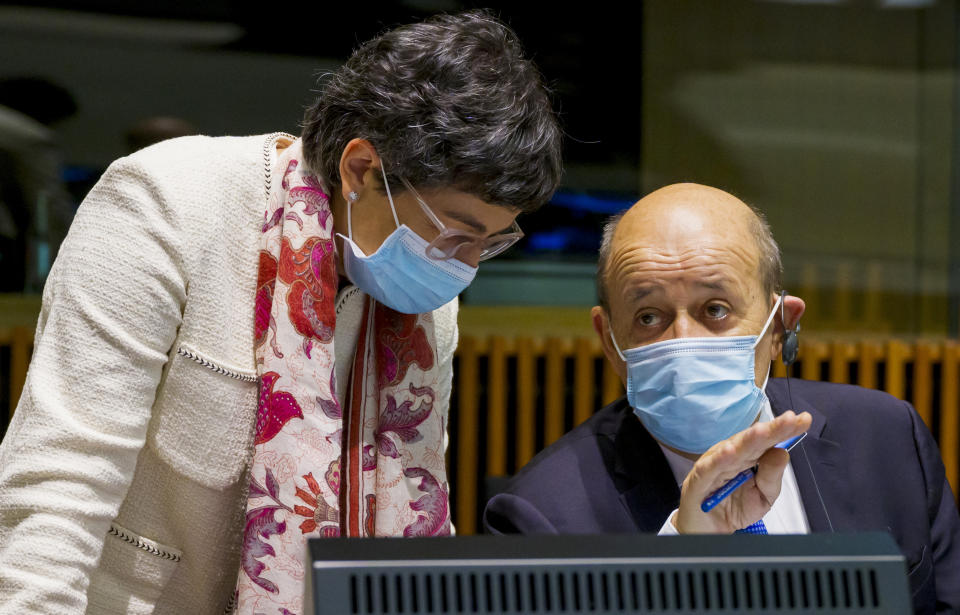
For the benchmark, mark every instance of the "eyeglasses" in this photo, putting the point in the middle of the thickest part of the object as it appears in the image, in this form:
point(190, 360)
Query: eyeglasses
point(450, 241)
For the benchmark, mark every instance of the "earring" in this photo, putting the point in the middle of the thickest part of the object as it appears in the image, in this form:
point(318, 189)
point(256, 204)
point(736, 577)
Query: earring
point(353, 196)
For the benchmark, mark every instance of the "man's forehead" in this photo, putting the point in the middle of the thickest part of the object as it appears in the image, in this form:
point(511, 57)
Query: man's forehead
point(699, 266)
point(642, 287)
point(688, 232)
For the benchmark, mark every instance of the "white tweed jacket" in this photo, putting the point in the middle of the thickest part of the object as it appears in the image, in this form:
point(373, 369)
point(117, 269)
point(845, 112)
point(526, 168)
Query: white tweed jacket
point(123, 471)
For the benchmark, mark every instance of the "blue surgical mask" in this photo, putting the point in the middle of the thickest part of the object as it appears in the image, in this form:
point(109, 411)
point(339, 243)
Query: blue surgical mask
point(693, 392)
point(399, 274)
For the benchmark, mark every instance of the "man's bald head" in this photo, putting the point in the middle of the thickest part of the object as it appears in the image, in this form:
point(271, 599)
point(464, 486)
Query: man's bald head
point(708, 211)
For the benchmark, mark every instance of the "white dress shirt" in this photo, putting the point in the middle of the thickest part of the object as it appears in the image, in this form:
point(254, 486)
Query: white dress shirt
point(786, 516)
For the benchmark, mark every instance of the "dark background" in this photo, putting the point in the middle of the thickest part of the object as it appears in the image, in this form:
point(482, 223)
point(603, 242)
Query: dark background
point(837, 118)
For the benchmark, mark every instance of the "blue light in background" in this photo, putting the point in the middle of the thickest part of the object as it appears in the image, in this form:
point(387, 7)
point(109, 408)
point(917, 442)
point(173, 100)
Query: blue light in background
point(591, 203)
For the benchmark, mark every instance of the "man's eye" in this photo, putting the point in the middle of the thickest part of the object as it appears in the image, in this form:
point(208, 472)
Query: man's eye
point(717, 311)
point(649, 319)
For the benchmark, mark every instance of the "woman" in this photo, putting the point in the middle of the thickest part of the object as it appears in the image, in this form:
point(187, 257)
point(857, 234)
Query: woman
point(246, 342)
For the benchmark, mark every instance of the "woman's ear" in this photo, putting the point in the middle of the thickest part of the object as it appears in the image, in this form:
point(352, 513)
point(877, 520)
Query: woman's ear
point(358, 157)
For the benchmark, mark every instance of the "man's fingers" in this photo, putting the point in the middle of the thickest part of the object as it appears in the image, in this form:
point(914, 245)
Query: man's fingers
point(714, 467)
point(752, 447)
point(728, 458)
point(754, 442)
point(770, 469)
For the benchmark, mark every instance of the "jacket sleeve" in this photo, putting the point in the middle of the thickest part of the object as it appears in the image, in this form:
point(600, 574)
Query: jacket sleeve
point(507, 513)
point(111, 309)
point(944, 520)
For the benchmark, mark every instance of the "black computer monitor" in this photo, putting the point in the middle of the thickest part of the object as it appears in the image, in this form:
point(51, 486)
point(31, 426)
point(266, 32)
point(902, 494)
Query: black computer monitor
point(819, 573)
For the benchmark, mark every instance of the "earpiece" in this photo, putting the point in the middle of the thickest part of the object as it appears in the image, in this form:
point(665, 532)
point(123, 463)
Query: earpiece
point(790, 342)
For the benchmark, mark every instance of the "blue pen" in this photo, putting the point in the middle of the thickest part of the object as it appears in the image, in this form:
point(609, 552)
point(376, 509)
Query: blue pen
point(731, 485)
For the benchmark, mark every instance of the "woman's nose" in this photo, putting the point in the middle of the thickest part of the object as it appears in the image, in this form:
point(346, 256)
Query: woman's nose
point(469, 254)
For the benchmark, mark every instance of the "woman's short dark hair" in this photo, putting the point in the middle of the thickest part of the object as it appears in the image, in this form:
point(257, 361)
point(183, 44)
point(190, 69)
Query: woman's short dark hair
point(449, 102)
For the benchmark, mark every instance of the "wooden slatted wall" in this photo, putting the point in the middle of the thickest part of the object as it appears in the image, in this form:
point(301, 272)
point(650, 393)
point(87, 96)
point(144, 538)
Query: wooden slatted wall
point(16, 345)
point(512, 397)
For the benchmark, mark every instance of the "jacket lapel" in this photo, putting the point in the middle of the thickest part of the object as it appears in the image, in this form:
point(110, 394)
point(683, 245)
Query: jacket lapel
point(643, 477)
point(816, 464)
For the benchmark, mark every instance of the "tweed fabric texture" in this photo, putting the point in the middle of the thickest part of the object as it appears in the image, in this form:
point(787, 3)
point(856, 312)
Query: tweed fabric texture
point(116, 426)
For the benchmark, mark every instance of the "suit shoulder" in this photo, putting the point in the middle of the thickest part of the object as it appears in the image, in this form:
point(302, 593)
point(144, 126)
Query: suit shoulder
point(844, 393)
point(851, 401)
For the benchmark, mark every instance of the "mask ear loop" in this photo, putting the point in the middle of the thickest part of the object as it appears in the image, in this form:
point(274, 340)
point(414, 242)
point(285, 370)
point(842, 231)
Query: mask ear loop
point(393, 209)
point(783, 312)
point(766, 325)
point(612, 339)
point(351, 199)
point(763, 332)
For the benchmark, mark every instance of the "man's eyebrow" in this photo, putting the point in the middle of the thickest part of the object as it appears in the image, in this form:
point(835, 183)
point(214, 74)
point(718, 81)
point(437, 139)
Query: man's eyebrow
point(467, 219)
point(714, 284)
point(642, 292)
point(636, 294)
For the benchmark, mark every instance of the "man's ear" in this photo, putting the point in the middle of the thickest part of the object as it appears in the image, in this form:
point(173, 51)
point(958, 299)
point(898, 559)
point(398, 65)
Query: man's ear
point(793, 308)
point(358, 158)
point(601, 324)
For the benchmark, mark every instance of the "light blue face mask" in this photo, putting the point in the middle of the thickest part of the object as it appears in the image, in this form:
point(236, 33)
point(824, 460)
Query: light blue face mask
point(693, 392)
point(399, 274)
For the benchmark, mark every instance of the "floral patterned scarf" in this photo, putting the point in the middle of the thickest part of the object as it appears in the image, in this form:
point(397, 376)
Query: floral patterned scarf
point(374, 468)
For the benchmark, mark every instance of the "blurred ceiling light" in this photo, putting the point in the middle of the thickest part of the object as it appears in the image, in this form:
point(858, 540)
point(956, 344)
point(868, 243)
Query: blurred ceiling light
point(806, 1)
point(883, 4)
point(906, 4)
point(95, 25)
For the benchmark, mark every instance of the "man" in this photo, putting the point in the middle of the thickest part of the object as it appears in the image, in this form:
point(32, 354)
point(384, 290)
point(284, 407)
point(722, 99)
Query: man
point(691, 317)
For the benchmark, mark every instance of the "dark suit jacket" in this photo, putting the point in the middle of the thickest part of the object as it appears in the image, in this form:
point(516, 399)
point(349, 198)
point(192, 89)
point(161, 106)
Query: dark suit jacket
point(868, 463)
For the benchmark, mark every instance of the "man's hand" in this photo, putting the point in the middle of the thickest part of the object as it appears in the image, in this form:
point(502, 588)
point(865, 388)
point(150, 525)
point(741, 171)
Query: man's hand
point(724, 460)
